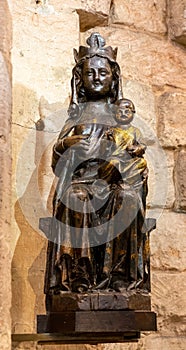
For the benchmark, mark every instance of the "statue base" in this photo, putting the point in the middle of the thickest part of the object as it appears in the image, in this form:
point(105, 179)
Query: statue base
point(99, 300)
point(98, 316)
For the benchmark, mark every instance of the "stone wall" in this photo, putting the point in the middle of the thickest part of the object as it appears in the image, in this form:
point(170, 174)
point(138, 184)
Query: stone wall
point(152, 58)
point(5, 175)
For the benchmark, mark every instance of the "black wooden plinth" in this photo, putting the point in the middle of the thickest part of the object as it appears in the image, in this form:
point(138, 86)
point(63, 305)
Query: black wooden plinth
point(97, 322)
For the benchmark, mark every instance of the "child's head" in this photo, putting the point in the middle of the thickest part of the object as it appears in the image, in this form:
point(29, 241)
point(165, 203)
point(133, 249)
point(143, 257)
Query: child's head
point(124, 111)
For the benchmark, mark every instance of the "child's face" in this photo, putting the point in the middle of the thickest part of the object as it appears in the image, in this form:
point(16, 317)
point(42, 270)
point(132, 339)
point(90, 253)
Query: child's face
point(124, 113)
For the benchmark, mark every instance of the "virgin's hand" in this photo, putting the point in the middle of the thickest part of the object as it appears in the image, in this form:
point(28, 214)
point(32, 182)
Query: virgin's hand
point(75, 141)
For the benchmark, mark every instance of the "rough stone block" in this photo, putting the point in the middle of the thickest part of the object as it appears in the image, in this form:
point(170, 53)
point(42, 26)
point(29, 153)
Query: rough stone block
point(168, 243)
point(150, 342)
point(91, 14)
point(5, 176)
point(43, 53)
point(149, 16)
point(94, 5)
point(33, 187)
point(171, 124)
point(25, 346)
point(86, 5)
point(161, 190)
point(180, 180)
point(6, 31)
point(89, 19)
point(168, 300)
point(170, 342)
point(65, 347)
point(177, 21)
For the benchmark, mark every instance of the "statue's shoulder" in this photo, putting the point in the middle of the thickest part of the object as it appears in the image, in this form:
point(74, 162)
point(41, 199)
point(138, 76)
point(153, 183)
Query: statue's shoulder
point(68, 126)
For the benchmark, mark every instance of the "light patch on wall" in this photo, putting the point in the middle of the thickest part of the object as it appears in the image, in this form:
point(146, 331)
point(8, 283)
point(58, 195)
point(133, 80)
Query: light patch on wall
point(43, 7)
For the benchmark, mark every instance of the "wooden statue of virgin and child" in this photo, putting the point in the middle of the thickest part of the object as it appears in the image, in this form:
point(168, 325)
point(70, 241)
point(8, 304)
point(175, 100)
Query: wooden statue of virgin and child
point(98, 248)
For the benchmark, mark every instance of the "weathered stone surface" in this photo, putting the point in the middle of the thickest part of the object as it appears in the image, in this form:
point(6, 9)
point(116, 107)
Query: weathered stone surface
point(24, 346)
point(161, 193)
point(5, 32)
point(43, 53)
point(66, 347)
point(180, 180)
point(35, 184)
point(89, 19)
point(84, 5)
point(132, 300)
point(118, 347)
point(94, 5)
point(168, 300)
point(154, 341)
point(150, 341)
point(5, 176)
point(177, 21)
point(5, 293)
point(149, 16)
point(171, 123)
point(91, 14)
point(151, 61)
point(34, 346)
point(168, 242)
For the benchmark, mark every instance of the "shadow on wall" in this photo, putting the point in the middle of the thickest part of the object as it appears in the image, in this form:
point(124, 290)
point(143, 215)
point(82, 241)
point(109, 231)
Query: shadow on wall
point(27, 278)
point(33, 177)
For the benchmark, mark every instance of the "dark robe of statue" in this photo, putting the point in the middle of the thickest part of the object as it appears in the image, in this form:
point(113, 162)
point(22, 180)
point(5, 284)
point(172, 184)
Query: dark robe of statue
point(99, 204)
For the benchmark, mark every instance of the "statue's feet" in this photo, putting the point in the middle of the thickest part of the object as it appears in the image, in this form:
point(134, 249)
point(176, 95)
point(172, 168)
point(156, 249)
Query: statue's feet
point(119, 285)
point(101, 285)
point(64, 287)
point(80, 286)
point(135, 285)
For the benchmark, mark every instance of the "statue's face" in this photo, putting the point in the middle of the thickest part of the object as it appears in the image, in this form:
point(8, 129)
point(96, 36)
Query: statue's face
point(97, 78)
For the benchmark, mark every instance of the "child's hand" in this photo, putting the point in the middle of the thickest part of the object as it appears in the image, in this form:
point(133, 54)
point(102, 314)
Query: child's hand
point(136, 151)
point(109, 135)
